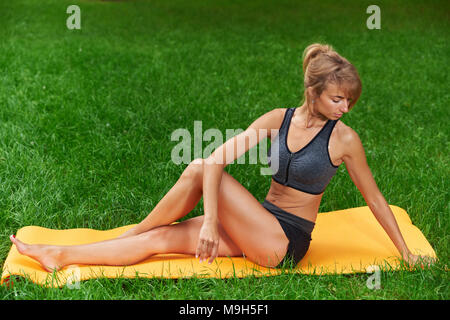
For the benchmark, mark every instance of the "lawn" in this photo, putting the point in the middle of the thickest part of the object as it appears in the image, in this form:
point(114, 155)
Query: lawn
point(86, 118)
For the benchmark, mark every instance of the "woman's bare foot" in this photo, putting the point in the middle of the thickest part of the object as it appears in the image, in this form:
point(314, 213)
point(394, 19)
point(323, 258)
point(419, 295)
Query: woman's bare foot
point(49, 256)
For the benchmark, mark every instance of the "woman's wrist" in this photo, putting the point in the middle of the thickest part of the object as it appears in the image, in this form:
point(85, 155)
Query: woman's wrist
point(211, 220)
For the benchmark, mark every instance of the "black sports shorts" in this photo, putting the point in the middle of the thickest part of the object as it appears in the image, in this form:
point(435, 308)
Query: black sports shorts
point(297, 230)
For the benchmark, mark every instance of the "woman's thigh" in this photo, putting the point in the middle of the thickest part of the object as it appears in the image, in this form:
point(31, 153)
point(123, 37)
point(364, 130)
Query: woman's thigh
point(245, 226)
point(249, 225)
point(182, 237)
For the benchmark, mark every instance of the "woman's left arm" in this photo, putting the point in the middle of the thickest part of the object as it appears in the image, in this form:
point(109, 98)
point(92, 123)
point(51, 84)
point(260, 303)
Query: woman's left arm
point(359, 171)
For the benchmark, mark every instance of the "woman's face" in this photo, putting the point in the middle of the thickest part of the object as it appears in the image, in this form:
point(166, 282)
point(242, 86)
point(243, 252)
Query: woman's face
point(332, 103)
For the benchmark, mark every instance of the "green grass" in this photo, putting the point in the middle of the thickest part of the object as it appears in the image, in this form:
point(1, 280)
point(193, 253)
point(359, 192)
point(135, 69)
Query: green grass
point(86, 117)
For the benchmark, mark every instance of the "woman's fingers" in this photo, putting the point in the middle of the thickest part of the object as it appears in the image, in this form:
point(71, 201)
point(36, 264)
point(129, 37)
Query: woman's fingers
point(419, 260)
point(428, 260)
point(210, 250)
point(207, 252)
point(207, 249)
point(203, 249)
point(200, 249)
point(208, 242)
point(214, 251)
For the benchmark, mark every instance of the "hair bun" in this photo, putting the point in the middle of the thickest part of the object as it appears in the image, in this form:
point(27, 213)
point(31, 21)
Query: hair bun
point(313, 51)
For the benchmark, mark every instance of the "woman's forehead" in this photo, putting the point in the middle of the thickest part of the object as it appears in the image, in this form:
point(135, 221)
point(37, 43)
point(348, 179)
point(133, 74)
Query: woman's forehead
point(338, 91)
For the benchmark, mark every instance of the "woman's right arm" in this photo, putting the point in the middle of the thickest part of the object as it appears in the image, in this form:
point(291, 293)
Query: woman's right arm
point(213, 169)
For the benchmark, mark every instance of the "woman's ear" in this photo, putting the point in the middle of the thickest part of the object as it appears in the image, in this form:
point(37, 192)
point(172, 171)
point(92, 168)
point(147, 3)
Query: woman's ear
point(311, 94)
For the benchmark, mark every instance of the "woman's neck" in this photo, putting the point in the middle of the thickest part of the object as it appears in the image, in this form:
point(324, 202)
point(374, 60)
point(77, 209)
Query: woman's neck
point(308, 119)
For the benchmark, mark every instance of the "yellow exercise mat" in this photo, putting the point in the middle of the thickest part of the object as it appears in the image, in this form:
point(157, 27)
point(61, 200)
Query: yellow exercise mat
point(343, 241)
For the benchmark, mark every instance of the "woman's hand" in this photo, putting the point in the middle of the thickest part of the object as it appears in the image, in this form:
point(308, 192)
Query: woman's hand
point(413, 259)
point(208, 242)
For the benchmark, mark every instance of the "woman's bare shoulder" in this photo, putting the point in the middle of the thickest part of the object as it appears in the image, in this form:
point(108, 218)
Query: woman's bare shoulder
point(277, 117)
point(270, 120)
point(344, 131)
point(346, 136)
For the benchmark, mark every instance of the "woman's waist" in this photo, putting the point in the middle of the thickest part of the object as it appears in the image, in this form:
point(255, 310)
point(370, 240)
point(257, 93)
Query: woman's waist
point(300, 209)
point(298, 222)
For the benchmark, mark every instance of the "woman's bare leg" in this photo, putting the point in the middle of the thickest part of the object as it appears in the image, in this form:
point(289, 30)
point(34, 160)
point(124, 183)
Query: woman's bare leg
point(178, 238)
point(178, 202)
point(248, 226)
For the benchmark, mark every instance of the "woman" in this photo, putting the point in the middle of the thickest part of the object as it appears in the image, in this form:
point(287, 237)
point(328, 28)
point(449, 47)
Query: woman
point(311, 144)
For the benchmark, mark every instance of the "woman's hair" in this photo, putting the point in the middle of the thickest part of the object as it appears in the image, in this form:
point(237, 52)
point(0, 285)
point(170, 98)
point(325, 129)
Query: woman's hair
point(322, 66)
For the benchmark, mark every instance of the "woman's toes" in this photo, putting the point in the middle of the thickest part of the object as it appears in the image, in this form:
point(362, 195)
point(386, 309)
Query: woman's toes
point(48, 256)
point(21, 247)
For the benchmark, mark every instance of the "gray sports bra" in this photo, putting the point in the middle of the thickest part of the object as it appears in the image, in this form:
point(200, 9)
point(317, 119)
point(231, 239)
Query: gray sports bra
point(310, 168)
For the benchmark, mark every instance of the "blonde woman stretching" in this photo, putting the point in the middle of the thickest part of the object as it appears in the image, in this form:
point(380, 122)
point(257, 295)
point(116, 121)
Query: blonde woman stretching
point(310, 145)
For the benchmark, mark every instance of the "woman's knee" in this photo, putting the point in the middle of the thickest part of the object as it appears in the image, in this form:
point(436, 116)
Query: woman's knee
point(159, 238)
point(176, 238)
point(194, 170)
